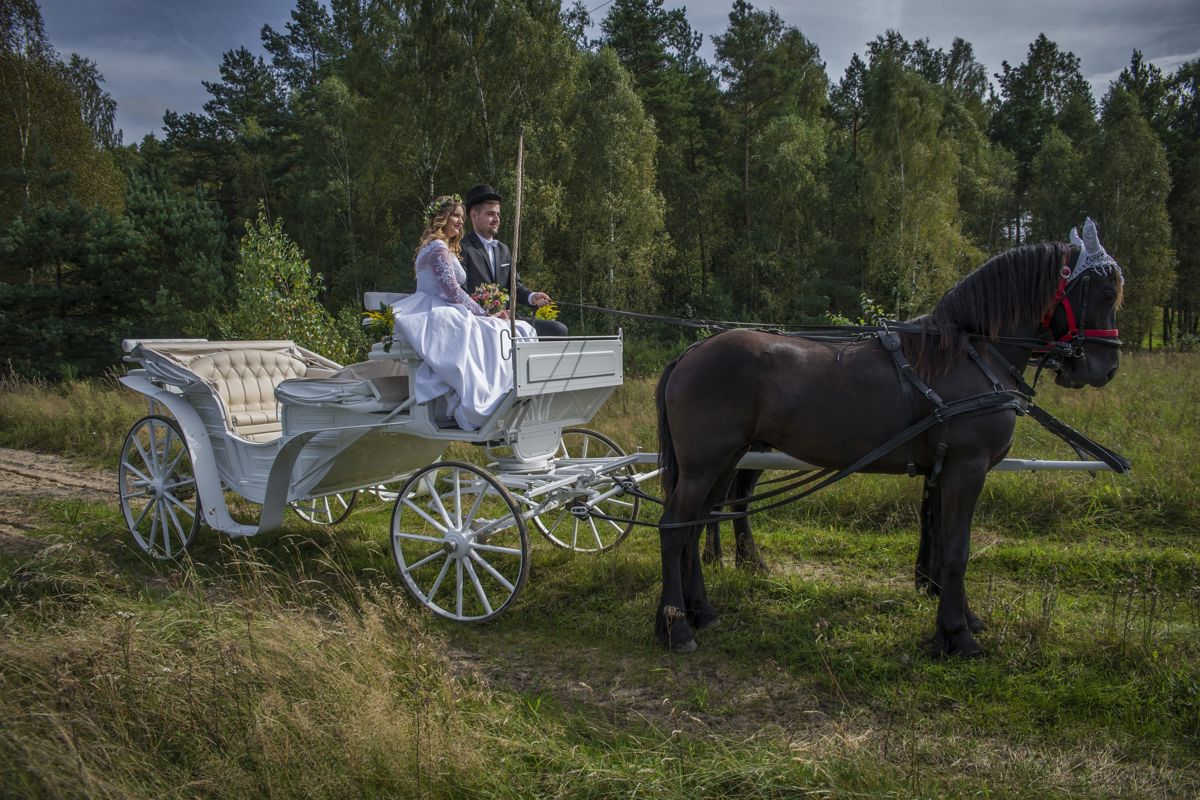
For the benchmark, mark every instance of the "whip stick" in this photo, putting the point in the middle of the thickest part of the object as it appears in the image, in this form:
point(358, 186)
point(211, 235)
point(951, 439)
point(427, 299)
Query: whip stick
point(516, 247)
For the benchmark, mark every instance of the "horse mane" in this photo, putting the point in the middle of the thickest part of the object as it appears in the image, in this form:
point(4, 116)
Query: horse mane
point(1018, 284)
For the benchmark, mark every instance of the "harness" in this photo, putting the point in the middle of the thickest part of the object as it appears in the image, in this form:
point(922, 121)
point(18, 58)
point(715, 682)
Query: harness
point(1046, 346)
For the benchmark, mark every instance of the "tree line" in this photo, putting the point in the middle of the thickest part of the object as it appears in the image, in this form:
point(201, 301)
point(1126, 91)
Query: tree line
point(756, 187)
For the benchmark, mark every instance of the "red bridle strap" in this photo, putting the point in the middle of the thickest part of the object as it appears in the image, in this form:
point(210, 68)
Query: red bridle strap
point(1060, 298)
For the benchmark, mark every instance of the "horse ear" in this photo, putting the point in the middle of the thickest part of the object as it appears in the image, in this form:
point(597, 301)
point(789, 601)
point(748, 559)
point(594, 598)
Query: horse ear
point(1091, 239)
point(1073, 238)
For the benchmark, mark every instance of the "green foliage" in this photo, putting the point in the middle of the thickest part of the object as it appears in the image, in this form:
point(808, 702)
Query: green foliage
point(1130, 193)
point(916, 250)
point(746, 188)
point(1058, 182)
point(70, 290)
point(181, 238)
point(55, 125)
point(277, 297)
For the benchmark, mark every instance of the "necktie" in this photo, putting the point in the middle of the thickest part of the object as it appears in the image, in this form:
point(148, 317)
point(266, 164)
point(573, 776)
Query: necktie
point(491, 248)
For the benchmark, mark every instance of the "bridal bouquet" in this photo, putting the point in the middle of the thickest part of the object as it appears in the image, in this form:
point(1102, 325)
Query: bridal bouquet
point(490, 297)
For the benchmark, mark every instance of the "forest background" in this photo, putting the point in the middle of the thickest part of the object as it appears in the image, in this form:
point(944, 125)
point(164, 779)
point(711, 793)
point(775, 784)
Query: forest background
point(756, 187)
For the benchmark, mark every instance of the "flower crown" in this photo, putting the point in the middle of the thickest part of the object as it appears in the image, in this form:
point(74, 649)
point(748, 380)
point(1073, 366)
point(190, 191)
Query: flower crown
point(438, 204)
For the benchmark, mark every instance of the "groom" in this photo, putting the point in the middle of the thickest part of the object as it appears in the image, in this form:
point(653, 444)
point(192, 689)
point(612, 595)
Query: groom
point(488, 260)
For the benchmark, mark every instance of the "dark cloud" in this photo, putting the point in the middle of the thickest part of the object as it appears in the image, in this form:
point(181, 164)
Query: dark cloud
point(155, 53)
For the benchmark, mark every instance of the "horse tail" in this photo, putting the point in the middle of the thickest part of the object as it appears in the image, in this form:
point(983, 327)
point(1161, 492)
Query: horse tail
point(666, 449)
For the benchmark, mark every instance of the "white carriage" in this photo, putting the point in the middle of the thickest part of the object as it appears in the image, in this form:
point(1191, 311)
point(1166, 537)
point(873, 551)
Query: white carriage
point(281, 426)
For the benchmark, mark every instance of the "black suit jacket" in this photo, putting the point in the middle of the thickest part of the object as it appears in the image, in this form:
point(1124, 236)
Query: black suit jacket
point(479, 270)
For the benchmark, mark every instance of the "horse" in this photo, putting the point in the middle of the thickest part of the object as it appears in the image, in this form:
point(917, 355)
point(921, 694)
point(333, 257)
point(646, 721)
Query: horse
point(833, 404)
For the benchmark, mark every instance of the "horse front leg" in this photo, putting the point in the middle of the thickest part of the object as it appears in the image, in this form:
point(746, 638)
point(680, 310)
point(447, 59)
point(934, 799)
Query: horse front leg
point(929, 557)
point(961, 486)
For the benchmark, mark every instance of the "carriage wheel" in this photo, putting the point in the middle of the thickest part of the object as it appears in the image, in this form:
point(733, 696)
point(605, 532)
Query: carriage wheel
point(326, 510)
point(461, 547)
point(157, 484)
point(584, 533)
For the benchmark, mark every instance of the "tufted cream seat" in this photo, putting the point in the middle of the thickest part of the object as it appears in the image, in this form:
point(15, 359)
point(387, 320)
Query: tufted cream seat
point(245, 380)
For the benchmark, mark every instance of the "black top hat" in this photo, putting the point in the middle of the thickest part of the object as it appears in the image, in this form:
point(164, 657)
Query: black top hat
point(481, 194)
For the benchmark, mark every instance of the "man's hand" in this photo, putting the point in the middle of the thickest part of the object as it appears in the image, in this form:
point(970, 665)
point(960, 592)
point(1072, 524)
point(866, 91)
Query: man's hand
point(538, 299)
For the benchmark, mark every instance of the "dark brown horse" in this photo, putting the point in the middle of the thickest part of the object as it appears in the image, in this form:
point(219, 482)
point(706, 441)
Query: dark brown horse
point(830, 404)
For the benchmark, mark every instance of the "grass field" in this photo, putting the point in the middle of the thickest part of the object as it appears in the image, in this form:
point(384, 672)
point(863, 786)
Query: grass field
point(292, 665)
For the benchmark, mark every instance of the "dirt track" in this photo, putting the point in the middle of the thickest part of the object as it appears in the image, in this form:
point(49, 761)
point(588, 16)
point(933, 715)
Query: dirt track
point(24, 474)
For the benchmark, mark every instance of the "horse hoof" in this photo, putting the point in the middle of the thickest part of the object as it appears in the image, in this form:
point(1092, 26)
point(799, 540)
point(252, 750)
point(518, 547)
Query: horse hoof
point(958, 645)
point(684, 647)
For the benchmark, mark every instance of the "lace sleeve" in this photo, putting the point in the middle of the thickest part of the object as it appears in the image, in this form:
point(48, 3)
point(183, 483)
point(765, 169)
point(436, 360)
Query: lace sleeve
point(444, 271)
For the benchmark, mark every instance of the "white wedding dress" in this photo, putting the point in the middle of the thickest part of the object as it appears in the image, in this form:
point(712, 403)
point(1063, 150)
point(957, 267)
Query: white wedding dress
point(463, 348)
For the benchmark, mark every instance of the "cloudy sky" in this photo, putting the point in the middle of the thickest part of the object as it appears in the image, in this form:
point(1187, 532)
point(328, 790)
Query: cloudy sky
point(155, 53)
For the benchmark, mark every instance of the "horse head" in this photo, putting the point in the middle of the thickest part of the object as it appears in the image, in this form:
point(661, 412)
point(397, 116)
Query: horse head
point(1082, 322)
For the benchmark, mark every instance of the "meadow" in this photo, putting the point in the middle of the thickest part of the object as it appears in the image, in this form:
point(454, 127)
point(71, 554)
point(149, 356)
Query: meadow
point(292, 664)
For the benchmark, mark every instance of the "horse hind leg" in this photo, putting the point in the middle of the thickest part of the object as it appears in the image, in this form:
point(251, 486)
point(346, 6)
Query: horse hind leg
point(683, 599)
point(748, 557)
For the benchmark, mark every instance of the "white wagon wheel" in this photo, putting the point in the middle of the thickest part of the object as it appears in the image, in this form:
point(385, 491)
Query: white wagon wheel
point(583, 533)
point(329, 509)
point(157, 485)
point(461, 547)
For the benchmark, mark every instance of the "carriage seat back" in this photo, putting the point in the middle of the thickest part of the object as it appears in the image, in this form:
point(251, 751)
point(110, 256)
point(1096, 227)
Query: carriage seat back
point(245, 381)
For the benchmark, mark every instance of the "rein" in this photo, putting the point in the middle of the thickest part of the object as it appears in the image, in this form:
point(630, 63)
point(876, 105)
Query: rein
point(1019, 399)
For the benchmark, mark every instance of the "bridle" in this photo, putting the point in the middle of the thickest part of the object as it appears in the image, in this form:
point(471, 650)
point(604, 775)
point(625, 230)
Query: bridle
point(1071, 341)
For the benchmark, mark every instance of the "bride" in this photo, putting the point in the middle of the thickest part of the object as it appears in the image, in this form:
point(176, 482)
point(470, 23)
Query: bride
point(460, 343)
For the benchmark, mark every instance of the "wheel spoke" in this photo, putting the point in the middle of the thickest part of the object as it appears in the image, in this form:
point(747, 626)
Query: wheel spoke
point(495, 548)
point(503, 581)
point(479, 495)
point(417, 565)
point(146, 462)
point(175, 461)
point(421, 513)
point(441, 508)
point(177, 502)
point(437, 584)
point(138, 522)
point(417, 537)
point(562, 514)
point(156, 464)
point(145, 492)
point(174, 520)
point(180, 484)
point(596, 533)
point(483, 598)
point(458, 498)
point(145, 480)
point(458, 568)
point(160, 522)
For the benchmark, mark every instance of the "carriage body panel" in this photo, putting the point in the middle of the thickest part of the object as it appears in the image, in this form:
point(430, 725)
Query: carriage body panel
point(321, 434)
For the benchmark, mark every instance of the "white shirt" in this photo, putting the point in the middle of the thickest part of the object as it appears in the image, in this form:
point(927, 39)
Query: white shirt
point(490, 246)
